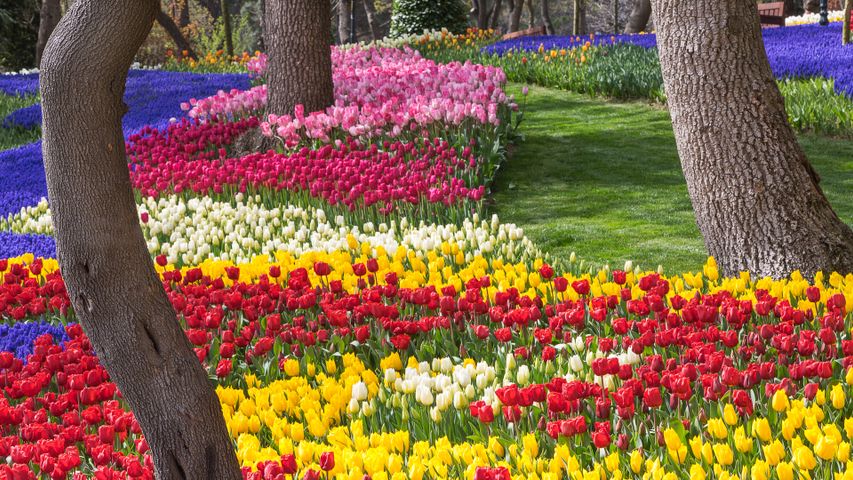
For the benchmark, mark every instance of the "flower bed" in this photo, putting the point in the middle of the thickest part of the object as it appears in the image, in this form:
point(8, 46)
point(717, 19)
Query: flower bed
point(350, 334)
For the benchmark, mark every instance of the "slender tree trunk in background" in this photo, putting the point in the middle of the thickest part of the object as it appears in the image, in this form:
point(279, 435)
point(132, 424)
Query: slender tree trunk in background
point(370, 14)
point(640, 14)
point(49, 15)
point(755, 195)
point(496, 15)
point(169, 26)
point(515, 15)
point(344, 25)
point(615, 16)
point(300, 64)
point(546, 18)
point(576, 17)
point(183, 13)
point(108, 271)
point(845, 35)
point(226, 25)
point(531, 14)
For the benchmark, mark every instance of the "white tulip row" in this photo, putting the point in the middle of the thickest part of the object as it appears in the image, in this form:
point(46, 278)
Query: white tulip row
point(807, 18)
point(191, 231)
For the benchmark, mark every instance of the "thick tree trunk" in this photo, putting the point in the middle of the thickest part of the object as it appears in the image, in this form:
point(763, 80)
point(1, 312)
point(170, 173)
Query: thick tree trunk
point(300, 64)
point(515, 15)
point(169, 26)
point(114, 289)
point(640, 14)
point(845, 35)
point(49, 15)
point(576, 17)
point(344, 25)
point(755, 195)
point(370, 14)
point(496, 15)
point(546, 18)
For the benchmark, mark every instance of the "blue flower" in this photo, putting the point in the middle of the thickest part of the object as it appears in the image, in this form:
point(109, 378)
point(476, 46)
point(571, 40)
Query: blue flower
point(18, 337)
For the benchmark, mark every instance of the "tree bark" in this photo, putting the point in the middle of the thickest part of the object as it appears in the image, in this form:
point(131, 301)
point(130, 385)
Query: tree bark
point(370, 14)
point(531, 14)
point(496, 15)
point(755, 195)
point(49, 15)
point(226, 25)
point(169, 26)
point(344, 25)
point(640, 14)
point(615, 16)
point(546, 18)
point(300, 64)
point(515, 15)
point(576, 17)
point(845, 34)
point(111, 281)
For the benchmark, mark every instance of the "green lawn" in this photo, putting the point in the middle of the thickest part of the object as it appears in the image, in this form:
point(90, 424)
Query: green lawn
point(12, 137)
point(602, 179)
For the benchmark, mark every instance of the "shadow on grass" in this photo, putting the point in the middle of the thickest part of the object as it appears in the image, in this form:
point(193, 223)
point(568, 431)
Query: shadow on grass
point(603, 180)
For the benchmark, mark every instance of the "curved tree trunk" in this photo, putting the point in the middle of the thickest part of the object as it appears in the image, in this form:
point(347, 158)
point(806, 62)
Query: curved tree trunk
point(169, 26)
point(640, 14)
point(49, 15)
point(370, 14)
point(300, 63)
point(344, 25)
point(546, 18)
point(496, 15)
point(755, 195)
point(515, 15)
point(111, 281)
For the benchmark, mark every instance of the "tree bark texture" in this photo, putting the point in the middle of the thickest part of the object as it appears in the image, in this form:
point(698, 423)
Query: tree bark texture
point(172, 29)
point(576, 17)
point(515, 15)
point(370, 15)
point(546, 18)
point(531, 14)
point(49, 15)
point(344, 25)
point(495, 19)
point(640, 14)
point(111, 281)
point(226, 25)
point(755, 195)
point(845, 34)
point(300, 63)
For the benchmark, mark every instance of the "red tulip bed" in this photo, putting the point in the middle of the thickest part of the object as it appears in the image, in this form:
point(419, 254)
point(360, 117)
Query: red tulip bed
point(375, 342)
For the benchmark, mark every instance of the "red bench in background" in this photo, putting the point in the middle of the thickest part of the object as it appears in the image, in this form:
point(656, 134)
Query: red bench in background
point(772, 14)
point(525, 33)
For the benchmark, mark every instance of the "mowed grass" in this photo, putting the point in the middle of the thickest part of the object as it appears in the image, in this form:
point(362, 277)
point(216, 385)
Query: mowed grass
point(603, 179)
point(13, 137)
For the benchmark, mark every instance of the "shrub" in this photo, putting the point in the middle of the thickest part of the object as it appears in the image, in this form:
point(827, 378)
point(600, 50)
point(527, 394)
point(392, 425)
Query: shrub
point(414, 16)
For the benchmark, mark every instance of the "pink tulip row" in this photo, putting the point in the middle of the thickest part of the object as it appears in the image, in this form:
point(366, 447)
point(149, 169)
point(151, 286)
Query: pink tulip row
point(190, 158)
point(378, 92)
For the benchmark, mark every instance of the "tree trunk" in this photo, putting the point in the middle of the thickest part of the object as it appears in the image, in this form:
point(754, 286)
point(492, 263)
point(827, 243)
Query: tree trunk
point(640, 14)
point(111, 281)
point(515, 15)
point(49, 15)
point(370, 14)
point(226, 25)
point(615, 16)
point(576, 17)
point(531, 14)
point(755, 195)
point(169, 26)
point(300, 64)
point(183, 13)
point(546, 18)
point(344, 25)
point(483, 15)
point(496, 15)
point(845, 34)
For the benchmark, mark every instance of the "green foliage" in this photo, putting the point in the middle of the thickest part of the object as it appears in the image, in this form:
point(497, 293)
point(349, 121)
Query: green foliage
point(416, 16)
point(19, 21)
point(15, 136)
point(813, 105)
point(632, 72)
point(603, 179)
